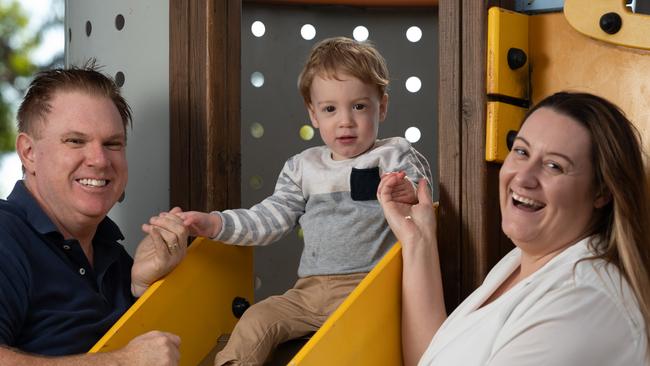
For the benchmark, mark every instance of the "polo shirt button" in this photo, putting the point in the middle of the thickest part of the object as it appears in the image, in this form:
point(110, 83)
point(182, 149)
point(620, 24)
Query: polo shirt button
point(66, 247)
point(82, 271)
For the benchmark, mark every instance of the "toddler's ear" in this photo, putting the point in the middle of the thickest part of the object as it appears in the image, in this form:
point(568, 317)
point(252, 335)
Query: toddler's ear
point(312, 115)
point(383, 107)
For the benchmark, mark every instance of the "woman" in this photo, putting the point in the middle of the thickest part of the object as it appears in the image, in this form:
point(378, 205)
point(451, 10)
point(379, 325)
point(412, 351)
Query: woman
point(576, 290)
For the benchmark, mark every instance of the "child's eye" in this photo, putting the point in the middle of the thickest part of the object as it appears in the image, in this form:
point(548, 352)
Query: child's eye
point(359, 107)
point(329, 109)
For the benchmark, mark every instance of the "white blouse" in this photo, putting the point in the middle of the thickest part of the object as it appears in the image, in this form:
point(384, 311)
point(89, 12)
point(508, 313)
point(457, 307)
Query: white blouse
point(569, 312)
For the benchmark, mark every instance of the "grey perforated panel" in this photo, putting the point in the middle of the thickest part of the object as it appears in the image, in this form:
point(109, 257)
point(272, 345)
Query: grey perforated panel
point(273, 113)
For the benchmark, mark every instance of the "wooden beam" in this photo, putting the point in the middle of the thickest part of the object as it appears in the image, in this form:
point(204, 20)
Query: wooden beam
point(204, 104)
point(449, 149)
point(366, 3)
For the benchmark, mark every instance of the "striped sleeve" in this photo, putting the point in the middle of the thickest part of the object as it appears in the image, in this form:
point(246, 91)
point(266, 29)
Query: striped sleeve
point(271, 219)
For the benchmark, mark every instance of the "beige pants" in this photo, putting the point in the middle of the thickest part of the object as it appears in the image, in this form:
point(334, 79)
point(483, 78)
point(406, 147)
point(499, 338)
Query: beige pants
point(298, 312)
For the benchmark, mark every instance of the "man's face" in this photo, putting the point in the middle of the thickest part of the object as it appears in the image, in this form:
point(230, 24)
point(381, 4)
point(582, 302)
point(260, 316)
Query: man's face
point(75, 162)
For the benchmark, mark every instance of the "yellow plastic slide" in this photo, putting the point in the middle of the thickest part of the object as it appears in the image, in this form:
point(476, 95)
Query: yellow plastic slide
point(365, 329)
point(194, 301)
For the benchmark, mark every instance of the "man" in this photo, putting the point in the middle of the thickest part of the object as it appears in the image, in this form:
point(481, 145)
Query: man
point(64, 279)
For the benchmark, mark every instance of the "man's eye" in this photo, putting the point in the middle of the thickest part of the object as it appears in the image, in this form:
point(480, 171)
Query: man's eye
point(359, 107)
point(329, 109)
point(116, 146)
point(73, 141)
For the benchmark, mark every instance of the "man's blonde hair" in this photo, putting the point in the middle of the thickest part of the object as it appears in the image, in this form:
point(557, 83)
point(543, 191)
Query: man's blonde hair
point(344, 55)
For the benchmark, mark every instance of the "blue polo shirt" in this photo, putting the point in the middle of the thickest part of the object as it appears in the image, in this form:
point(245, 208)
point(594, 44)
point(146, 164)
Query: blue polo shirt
point(52, 301)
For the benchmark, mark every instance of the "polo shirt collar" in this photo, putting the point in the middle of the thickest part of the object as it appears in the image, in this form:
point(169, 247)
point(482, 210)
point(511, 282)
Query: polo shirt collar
point(34, 214)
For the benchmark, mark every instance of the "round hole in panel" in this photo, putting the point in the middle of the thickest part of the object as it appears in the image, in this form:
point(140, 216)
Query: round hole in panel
point(300, 233)
point(119, 79)
point(414, 34)
point(119, 22)
point(306, 132)
point(256, 182)
point(257, 130)
point(257, 79)
point(258, 29)
point(360, 33)
point(413, 134)
point(308, 32)
point(413, 84)
point(89, 28)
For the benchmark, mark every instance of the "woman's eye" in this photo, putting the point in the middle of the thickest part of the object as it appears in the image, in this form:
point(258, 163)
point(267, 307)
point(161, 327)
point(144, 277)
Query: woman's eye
point(359, 107)
point(519, 151)
point(554, 166)
point(329, 109)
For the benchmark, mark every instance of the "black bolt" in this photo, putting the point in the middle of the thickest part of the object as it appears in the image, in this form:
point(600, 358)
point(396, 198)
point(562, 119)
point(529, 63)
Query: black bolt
point(611, 23)
point(239, 305)
point(516, 58)
point(510, 139)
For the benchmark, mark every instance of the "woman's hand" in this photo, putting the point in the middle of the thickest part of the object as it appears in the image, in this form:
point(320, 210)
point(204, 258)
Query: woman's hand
point(423, 303)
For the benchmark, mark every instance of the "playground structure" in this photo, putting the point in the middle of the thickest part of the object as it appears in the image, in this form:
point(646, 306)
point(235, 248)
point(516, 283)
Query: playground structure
point(481, 100)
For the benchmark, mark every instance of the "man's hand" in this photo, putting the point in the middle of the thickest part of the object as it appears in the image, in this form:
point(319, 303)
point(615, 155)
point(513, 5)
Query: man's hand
point(160, 251)
point(151, 348)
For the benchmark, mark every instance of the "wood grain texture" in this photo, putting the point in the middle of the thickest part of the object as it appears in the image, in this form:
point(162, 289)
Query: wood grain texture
point(204, 104)
point(449, 150)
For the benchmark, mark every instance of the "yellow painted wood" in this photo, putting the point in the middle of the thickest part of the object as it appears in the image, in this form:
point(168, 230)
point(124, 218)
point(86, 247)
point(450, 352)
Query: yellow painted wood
point(501, 118)
point(584, 16)
point(365, 329)
point(194, 301)
point(564, 59)
point(506, 29)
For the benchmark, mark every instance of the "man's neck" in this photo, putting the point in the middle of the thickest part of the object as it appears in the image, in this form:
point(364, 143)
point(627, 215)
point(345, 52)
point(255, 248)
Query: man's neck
point(82, 229)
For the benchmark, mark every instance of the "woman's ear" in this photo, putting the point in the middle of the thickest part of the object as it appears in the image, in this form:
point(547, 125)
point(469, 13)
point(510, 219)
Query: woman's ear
point(603, 198)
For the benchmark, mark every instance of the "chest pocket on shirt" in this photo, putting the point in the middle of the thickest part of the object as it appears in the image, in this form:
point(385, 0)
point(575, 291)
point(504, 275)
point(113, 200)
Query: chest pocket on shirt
point(364, 183)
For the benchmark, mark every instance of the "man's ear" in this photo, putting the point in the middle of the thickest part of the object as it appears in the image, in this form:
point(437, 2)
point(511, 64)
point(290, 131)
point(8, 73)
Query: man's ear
point(312, 115)
point(383, 107)
point(603, 198)
point(25, 150)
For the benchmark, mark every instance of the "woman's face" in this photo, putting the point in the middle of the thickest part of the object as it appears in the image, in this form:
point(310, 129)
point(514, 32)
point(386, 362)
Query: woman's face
point(546, 184)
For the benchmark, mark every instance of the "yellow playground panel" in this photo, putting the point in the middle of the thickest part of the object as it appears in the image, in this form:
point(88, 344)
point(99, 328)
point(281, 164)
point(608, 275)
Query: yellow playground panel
point(365, 329)
point(193, 302)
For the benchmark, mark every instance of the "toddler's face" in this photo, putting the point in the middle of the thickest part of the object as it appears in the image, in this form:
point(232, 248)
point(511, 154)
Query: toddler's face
point(347, 113)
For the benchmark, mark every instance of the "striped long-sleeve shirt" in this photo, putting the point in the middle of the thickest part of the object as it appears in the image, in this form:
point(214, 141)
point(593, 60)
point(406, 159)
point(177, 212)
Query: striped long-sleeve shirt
point(334, 202)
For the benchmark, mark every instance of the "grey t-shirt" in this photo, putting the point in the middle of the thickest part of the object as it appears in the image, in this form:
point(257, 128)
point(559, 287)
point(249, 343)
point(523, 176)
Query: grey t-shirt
point(335, 203)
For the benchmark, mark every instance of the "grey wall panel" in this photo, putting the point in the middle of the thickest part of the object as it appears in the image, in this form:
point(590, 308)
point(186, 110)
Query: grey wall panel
point(277, 105)
point(140, 51)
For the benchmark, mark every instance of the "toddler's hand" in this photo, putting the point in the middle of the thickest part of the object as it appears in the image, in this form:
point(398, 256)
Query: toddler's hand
point(402, 190)
point(201, 223)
